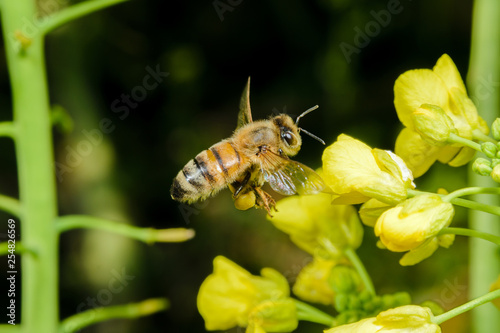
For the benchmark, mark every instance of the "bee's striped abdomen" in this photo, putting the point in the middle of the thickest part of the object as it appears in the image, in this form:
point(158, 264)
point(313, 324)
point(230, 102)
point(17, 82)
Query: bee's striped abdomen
point(210, 171)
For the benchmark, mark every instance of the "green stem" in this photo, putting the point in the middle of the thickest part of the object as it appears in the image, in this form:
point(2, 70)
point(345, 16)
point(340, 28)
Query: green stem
point(471, 190)
point(10, 205)
point(146, 235)
point(129, 311)
point(479, 206)
point(467, 307)
point(4, 249)
point(73, 12)
point(309, 313)
point(360, 268)
point(453, 138)
point(7, 128)
point(484, 68)
point(471, 233)
point(35, 158)
point(478, 135)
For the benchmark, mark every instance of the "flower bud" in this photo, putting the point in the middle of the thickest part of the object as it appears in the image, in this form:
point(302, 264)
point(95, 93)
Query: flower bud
point(414, 221)
point(433, 124)
point(344, 280)
point(495, 129)
point(435, 307)
point(489, 149)
point(495, 174)
point(482, 166)
point(312, 282)
point(408, 318)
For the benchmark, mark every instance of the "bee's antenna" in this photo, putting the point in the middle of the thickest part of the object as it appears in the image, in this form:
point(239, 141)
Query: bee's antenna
point(304, 113)
point(303, 130)
point(312, 136)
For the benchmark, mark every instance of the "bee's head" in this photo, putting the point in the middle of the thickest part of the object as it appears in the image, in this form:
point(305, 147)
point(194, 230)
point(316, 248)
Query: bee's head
point(290, 140)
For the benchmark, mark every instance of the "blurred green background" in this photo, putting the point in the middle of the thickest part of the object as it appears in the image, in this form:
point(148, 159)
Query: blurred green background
point(97, 68)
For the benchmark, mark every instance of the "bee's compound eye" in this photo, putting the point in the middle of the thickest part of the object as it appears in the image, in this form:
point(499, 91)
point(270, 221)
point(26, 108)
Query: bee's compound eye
point(288, 137)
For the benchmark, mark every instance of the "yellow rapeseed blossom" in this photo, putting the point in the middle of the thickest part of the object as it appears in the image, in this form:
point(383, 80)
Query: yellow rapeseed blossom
point(432, 104)
point(312, 282)
point(355, 173)
point(408, 318)
point(231, 297)
point(413, 226)
point(317, 226)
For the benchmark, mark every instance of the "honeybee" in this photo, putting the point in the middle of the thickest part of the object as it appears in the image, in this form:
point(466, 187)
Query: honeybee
point(257, 152)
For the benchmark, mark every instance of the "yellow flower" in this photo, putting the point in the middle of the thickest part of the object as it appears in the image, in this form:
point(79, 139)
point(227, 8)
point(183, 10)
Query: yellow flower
point(432, 104)
point(356, 173)
point(408, 318)
point(312, 282)
point(231, 297)
point(317, 226)
point(413, 226)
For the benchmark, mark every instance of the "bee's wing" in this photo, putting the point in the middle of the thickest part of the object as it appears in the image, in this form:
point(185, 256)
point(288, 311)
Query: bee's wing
point(292, 177)
point(245, 114)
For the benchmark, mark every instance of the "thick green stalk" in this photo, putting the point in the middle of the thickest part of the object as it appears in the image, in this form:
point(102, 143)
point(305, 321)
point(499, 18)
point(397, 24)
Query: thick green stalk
point(35, 158)
point(484, 70)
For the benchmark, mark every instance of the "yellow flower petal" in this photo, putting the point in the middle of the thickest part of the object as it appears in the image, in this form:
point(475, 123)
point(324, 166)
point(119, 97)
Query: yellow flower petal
point(464, 156)
point(312, 282)
point(412, 222)
point(418, 155)
point(317, 226)
point(403, 319)
point(230, 293)
point(416, 87)
point(420, 253)
point(445, 68)
point(407, 318)
point(352, 172)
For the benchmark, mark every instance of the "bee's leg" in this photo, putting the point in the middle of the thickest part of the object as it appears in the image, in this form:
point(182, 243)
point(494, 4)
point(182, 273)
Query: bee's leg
point(265, 200)
point(240, 185)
